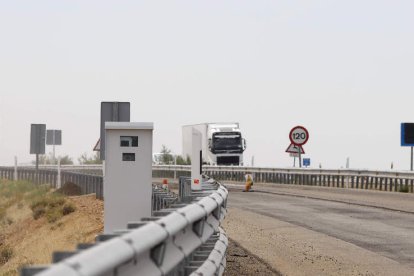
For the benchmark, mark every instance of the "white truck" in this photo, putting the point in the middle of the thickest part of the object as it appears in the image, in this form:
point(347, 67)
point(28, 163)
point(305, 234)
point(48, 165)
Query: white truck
point(222, 143)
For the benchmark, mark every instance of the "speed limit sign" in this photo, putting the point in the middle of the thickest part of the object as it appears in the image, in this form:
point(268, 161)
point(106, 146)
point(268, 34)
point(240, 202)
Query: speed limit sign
point(299, 135)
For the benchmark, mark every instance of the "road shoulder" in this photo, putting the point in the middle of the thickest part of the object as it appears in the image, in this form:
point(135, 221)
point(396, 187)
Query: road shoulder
point(294, 250)
point(386, 200)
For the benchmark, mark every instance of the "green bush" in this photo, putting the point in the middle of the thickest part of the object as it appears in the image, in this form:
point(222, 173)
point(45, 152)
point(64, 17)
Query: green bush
point(38, 212)
point(2, 213)
point(54, 215)
point(404, 189)
point(50, 205)
point(6, 253)
point(68, 208)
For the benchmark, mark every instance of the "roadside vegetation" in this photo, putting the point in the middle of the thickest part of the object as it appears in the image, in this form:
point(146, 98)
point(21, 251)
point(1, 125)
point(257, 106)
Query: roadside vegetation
point(167, 158)
point(40, 200)
point(404, 189)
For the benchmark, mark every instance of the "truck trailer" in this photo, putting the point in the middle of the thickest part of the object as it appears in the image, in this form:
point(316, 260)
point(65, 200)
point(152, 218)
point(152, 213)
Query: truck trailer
point(222, 143)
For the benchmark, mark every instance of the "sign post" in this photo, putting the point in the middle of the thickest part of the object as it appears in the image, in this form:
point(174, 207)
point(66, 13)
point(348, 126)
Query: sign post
point(112, 112)
point(54, 137)
point(37, 141)
point(196, 161)
point(298, 137)
point(407, 139)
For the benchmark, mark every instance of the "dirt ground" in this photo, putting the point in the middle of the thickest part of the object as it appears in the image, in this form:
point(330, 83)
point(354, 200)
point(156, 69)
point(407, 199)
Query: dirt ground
point(33, 241)
point(242, 262)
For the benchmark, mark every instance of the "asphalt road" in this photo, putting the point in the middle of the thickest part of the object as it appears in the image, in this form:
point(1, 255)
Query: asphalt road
point(387, 233)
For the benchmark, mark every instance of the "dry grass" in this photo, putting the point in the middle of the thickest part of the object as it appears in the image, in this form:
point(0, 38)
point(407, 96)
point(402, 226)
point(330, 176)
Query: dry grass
point(63, 224)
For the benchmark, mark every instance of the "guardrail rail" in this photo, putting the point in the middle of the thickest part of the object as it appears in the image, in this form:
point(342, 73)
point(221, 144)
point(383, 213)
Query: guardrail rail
point(182, 237)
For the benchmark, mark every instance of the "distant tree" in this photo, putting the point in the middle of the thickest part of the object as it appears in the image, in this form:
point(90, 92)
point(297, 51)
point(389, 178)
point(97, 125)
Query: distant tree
point(182, 161)
point(84, 159)
point(66, 160)
point(166, 156)
point(47, 159)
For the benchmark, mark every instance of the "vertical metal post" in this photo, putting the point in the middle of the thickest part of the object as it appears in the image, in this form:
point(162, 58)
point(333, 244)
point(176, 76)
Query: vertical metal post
point(412, 155)
point(37, 162)
point(54, 152)
point(175, 167)
point(294, 161)
point(59, 179)
point(300, 158)
point(15, 178)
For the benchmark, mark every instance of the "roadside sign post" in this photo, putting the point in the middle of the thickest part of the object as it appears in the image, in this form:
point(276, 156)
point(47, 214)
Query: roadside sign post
point(37, 141)
point(112, 112)
point(196, 161)
point(407, 139)
point(298, 137)
point(294, 155)
point(54, 137)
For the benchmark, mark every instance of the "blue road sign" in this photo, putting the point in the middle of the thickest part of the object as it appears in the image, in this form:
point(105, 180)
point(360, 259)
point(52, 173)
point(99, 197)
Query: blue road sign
point(306, 162)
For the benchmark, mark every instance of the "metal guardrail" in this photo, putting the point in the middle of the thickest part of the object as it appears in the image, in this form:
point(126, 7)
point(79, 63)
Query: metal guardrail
point(87, 183)
point(182, 239)
point(341, 178)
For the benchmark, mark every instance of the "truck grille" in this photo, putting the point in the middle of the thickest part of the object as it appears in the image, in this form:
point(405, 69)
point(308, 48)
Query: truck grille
point(228, 160)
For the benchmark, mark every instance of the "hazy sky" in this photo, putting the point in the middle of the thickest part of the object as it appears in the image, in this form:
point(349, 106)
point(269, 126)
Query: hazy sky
point(343, 69)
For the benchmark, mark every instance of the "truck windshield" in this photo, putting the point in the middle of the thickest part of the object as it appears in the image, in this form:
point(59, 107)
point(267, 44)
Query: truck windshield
point(227, 141)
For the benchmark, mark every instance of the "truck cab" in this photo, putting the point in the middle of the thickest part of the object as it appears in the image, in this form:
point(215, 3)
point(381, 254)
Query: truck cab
point(226, 144)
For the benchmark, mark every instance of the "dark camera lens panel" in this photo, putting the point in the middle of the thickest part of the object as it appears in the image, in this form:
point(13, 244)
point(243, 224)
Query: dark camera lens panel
point(126, 156)
point(129, 141)
point(124, 143)
point(134, 141)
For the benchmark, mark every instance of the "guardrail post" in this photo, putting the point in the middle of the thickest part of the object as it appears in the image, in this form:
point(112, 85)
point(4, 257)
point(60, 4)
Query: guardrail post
point(59, 175)
point(15, 178)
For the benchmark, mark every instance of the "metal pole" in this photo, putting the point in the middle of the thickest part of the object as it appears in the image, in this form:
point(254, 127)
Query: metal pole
point(54, 156)
point(412, 155)
point(37, 162)
point(15, 169)
point(175, 167)
point(294, 161)
point(300, 158)
point(59, 180)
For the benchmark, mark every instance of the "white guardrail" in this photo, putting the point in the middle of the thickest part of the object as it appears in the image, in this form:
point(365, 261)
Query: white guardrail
point(396, 181)
point(206, 169)
point(185, 240)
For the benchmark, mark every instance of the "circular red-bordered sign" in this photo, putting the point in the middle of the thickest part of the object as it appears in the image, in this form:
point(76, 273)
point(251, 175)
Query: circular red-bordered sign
point(299, 135)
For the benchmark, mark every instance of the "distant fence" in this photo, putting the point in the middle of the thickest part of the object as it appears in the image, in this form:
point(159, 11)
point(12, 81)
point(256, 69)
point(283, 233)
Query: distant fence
point(88, 183)
point(344, 178)
point(355, 179)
